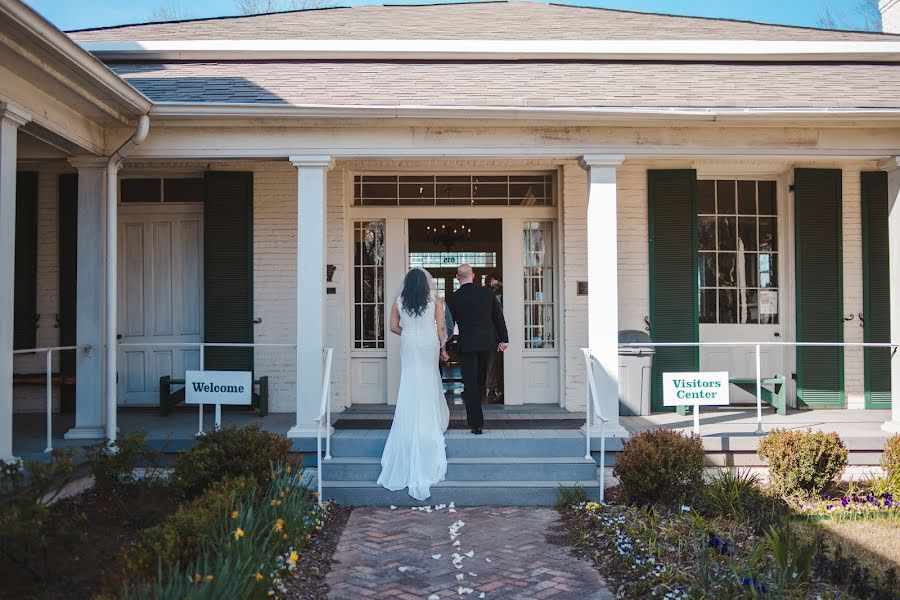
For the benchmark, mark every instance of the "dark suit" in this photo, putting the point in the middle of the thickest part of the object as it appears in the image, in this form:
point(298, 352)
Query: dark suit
point(481, 326)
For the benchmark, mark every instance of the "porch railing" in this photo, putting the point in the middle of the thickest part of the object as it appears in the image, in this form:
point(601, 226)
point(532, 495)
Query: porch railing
point(49, 381)
point(324, 419)
point(757, 346)
point(591, 363)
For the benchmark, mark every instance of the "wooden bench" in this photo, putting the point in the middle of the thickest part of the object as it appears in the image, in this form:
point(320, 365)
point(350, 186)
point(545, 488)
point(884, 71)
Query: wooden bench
point(774, 396)
point(169, 399)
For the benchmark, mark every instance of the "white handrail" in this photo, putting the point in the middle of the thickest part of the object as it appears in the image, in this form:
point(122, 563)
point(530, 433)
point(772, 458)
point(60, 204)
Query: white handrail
point(324, 415)
point(594, 400)
point(757, 346)
point(49, 382)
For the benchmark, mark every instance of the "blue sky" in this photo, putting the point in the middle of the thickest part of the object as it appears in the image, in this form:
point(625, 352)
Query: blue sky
point(78, 14)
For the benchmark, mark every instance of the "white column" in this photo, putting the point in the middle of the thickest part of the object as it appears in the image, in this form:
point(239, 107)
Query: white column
point(91, 298)
point(396, 249)
point(603, 288)
point(893, 168)
point(11, 118)
point(311, 185)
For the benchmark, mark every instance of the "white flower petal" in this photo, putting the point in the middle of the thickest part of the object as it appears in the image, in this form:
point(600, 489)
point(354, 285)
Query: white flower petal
point(435, 556)
point(460, 576)
point(470, 553)
point(393, 507)
point(487, 559)
point(403, 569)
point(434, 597)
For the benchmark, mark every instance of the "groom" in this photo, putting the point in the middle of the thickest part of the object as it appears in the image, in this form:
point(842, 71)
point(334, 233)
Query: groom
point(480, 319)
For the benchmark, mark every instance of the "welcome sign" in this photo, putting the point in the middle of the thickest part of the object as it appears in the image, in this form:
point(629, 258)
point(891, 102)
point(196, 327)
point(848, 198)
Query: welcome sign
point(695, 389)
point(217, 387)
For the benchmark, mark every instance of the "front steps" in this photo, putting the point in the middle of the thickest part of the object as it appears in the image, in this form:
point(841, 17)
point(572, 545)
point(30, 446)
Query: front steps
point(500, 468)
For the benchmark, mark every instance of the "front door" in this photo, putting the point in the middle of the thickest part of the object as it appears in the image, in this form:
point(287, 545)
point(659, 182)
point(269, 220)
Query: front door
point(740, 278)
point(160, 296)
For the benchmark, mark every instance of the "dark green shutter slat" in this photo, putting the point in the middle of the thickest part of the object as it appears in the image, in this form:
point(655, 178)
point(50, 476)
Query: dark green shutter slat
point(25, 300)
point(228, 269)
point(68, 270)
point(876, 288)
point(817, 219)
point(674, 292)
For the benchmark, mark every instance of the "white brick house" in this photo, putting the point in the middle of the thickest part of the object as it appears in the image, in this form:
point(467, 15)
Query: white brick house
point(630, 148)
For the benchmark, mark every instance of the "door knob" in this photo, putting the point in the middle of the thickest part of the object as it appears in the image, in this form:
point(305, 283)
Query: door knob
point(118, 336)
point(777, 334)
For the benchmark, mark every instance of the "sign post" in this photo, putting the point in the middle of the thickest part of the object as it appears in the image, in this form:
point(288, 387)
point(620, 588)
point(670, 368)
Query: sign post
point(695, 389)
point(218, 387)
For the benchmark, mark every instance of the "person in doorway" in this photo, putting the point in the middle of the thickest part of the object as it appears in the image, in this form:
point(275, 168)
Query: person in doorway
point(482, 331)
point(415, 454)
point(494, 383)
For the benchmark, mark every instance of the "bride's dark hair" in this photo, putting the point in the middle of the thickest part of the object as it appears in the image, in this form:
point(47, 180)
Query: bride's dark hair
point(416, 292)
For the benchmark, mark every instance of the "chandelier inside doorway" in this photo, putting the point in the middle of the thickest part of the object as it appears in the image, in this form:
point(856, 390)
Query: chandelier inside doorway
point(448, 234)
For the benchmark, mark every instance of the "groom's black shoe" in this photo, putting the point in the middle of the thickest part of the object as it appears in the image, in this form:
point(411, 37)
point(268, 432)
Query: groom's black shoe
point(476, 430)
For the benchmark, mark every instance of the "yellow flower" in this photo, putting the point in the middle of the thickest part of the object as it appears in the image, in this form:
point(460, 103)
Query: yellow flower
point(198, 578)
point(279, 525)
point(210, 578)
point(259, 576)
point(238, 533)
point(287, 488)
point(308, 537)
point(281, 494)
point(234, 514)
point(284, 537)
point(275, 502)
point(290, 469)
point(293, 557)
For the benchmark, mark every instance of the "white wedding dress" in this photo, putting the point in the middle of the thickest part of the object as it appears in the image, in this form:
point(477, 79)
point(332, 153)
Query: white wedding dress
point(415, 454)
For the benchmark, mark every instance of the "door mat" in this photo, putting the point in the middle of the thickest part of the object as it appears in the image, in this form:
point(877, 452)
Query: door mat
point(457, 424)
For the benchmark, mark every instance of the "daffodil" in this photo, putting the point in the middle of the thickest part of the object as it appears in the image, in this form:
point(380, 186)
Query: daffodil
point(293, 558)
point(238, 533)
point(259, 576)
point(234, 514)
point(210, 578)
point(198, 578)
point(308, 536)
point(279, 525)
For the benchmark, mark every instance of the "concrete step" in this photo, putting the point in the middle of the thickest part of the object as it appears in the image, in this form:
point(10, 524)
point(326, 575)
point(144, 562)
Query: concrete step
point(461, 493)
point(474, 469)
point(472, 446)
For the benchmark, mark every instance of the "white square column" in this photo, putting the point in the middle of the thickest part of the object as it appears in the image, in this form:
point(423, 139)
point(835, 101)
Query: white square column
point(312, 172)
point(603, 288)
point(11, 118)
point(893, 169)
point(90, 320)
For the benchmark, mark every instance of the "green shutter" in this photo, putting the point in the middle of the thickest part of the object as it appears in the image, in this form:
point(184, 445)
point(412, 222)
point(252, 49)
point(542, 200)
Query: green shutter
point(674, 292)
point(876, 288)
point(68, 267)
point(228, 269)
point(25, 292)
point(818, 263)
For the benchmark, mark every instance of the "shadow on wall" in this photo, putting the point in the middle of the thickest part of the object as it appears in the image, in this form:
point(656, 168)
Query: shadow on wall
point(227, 90)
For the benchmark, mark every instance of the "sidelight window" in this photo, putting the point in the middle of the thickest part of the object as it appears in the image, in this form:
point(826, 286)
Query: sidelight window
point(537, 238)
point(368, 284)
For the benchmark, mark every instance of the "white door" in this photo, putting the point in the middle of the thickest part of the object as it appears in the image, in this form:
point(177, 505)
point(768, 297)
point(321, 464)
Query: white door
point(160, 296)
point(740, 276)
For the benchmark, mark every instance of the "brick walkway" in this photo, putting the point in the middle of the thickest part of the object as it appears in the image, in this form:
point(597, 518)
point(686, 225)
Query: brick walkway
point(386, 553)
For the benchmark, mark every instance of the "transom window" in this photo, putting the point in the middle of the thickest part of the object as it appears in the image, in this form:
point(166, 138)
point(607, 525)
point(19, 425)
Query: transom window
point(158, 189)
point(453, 190)
point(368, 284)
point(737, 224)
point(537, 239)
point(443, 260)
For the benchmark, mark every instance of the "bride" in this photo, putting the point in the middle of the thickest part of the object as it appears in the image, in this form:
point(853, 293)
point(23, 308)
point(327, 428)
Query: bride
point(415, 453)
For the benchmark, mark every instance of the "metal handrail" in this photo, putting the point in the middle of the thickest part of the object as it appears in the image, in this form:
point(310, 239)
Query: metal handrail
point(49, 382)
point(203, 346)
point(589, 361)
point(757, 346)
point(324, 415)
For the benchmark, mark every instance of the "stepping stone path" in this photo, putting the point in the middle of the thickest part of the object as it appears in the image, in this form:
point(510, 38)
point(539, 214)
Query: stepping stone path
point(445, 552)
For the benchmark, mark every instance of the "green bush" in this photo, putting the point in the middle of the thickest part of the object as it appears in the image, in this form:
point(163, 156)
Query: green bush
point(660, 465)
point(114, 464)
point(890, 459)
point(230, 452)
point(182, 535)
point(731, 494)
point(803, 463)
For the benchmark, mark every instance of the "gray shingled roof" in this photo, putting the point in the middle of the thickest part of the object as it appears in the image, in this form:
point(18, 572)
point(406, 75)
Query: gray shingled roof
point(486, 20)
point(546, 84)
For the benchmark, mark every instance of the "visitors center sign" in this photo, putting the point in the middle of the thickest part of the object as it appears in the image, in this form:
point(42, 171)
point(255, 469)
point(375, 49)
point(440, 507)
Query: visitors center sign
point(695, 389)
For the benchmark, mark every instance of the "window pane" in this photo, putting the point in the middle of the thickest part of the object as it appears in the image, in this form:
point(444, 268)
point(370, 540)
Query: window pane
point(707, 227)
point(728, 306)
point(726, 234)
point(747, 232)
point(141, 190)
point(707, 269)
point(725, 202)
point(768, 306)
point(768, 270)
point(768, 233)
point(767, 204)
point(416, 194)
point(368, 284)
point(706, 197)
point(748, 310)
point(708, 306)
point(538, 284)
point(183, 190)
point(751, 270)
point(727, 275)
point(746, 197)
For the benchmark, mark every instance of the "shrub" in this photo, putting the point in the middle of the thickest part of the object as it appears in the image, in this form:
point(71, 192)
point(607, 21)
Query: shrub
point(114, 464)
point(230, 452)
point(804, 463)
point(660, 465)
point(738, 493)
point(890, 459)
point(181, 537)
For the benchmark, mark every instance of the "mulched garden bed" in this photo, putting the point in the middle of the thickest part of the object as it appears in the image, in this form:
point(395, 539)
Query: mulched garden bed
point(309, 579)
point(91, 532)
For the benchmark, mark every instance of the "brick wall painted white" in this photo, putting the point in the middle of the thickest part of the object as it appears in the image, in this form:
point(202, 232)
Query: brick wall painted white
point(854, 381)
point(574, 227)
